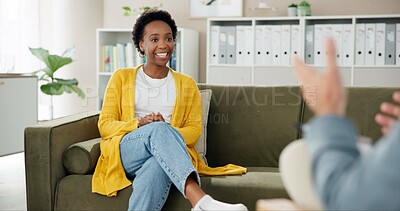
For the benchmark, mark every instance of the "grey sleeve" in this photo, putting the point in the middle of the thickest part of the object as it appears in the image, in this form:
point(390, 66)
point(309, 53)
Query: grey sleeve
point(346, 179)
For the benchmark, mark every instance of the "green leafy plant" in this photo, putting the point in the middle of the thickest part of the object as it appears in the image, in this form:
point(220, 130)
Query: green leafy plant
point(293, 5)
point(128, 10)
point(54, 85)
point(304, 4)
point(304, 8)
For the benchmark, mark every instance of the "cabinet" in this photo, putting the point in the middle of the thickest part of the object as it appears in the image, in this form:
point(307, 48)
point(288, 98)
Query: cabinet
point(261, 49)
point(184, 60)
point(18, 109)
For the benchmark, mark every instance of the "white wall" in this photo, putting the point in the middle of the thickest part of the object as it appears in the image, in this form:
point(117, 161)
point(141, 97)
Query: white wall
point(72, 22)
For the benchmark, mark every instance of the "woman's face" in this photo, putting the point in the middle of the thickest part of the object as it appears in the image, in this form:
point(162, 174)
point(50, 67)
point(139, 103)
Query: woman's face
point(157, 43)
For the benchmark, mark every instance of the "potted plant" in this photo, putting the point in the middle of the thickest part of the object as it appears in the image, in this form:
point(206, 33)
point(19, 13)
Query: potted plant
point(304, 8)
point(53, 85)
point(292, 10)
point(128, 10)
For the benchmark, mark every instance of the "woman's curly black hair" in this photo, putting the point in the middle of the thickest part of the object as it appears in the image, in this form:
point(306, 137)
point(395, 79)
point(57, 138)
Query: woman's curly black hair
point(147, 17)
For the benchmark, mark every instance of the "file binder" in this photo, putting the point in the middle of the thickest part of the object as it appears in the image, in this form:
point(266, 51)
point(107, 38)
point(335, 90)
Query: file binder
point(223, 44)
point(268, 44)
point(398, 44)
point(370, 44)
point(248, 45)
point(360, 44)
point(295, 41)
point(285, 46)
point(328, 32)
point(347, 45)
point(390, 44)
point(240, 39)
point(309, 44)
point(231, 45)
point(380, 33)
point(276, 44)
point(319, 50)
point(337, 30)
point(259, 45)
point(214, 44)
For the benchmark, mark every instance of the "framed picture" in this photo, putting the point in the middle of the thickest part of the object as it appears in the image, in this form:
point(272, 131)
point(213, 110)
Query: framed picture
point(215, 8)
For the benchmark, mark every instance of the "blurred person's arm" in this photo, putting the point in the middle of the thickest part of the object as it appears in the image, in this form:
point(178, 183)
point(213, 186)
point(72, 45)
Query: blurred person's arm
point(344, 178)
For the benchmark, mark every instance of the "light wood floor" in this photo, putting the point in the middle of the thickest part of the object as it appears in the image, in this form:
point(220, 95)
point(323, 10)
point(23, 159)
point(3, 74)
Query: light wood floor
point(12, 182)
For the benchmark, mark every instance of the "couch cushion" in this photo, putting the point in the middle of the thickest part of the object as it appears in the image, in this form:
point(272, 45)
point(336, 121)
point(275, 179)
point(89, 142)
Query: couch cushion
point(81, 158)
point(201, 145)
point(250, 125)
point(258, 183)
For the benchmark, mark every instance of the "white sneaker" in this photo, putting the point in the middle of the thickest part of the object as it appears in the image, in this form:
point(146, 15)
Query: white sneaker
point(208, 203)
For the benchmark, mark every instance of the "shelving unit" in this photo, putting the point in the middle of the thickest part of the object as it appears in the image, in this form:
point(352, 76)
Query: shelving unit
point(379, 74)
point(186, 53)
point(262, 67)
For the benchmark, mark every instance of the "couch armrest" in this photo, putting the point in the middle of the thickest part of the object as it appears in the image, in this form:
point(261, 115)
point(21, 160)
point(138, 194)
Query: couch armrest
point(44, 147)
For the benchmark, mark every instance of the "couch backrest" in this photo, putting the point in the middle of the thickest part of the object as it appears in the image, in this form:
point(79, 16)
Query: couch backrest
point(249, 125)
point(363, 105)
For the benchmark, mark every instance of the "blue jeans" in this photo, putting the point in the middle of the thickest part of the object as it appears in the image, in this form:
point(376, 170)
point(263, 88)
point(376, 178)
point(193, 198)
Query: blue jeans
point(156, 156)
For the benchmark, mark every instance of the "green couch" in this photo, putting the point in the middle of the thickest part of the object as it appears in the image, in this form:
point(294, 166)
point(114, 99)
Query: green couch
point(247, 125)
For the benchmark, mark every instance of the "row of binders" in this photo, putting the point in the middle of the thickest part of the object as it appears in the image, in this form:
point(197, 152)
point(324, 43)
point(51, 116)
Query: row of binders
point(269, 45)
point(315, 36)
point(369, 44)
point(375, 43)
point(117, 56)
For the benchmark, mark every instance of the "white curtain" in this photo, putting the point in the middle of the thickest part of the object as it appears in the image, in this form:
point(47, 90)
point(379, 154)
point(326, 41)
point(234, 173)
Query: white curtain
point(19, 29)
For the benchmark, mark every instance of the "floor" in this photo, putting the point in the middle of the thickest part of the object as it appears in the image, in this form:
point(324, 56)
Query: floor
point(12, 182)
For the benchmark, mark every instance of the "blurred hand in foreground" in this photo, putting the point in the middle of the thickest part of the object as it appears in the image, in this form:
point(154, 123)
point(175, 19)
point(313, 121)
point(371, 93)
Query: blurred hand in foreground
point(322, 91)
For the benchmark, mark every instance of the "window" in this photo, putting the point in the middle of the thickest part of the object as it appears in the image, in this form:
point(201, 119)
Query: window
point(19, 29)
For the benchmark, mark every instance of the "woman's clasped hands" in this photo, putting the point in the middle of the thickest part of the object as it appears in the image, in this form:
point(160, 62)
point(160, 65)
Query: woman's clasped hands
point(150, 118)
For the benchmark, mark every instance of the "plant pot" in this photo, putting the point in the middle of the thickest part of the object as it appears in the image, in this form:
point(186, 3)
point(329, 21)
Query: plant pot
point(292, 11)
point(303, 11)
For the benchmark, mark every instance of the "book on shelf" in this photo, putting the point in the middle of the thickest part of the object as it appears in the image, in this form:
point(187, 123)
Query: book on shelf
point(113, 57)
point(129, 55)
point(121, 55)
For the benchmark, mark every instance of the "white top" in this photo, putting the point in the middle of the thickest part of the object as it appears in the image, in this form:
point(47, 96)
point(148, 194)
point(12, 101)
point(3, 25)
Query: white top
point(154, 95)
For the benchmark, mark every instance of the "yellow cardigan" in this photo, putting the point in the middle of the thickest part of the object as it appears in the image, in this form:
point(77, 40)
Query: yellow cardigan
point(117, 119)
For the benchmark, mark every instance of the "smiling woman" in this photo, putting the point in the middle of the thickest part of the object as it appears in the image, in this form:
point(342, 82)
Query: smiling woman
point(150, 123)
